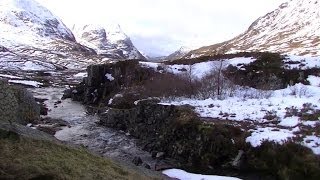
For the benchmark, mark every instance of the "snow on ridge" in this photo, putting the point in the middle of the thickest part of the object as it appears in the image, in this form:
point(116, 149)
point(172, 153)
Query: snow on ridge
point(292, 28)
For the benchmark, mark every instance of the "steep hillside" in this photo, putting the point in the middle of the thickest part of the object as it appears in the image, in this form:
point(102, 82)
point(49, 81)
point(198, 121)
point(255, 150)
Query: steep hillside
point(293, 28)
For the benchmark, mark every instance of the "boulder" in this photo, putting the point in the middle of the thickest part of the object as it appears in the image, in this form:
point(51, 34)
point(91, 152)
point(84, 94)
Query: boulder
point(17, 104)
point(137, 161)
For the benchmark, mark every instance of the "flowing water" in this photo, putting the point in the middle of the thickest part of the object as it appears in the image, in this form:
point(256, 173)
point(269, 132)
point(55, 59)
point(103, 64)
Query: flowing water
point(85, 131)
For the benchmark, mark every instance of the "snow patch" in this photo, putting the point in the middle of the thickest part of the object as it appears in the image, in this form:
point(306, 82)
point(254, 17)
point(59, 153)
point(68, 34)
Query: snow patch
point(312, 142)
point(269, 134)
point(314, 80)
point(81, 75)
point(10, 76)
point(183, 175)
point(289, 121)
point(109, 77)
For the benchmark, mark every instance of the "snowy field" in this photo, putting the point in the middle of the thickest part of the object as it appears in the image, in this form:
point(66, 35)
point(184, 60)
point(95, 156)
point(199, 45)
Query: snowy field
point(273, 115)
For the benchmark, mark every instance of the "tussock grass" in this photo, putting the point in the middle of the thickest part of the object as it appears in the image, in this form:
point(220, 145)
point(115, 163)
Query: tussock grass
point(25, 158)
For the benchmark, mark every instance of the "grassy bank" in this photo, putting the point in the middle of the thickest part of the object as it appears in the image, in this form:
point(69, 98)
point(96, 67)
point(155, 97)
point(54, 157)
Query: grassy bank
point(25, 158)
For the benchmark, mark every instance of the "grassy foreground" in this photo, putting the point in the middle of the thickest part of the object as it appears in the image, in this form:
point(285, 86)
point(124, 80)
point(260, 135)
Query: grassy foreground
point(25, 158)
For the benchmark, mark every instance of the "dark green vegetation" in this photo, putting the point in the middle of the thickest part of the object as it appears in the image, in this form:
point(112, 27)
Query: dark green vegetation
point(26, 158)
point(288, 161)
point(306, 113)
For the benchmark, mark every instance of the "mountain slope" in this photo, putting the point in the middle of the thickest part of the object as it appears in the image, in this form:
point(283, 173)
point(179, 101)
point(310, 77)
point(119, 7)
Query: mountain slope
point(110, 42)
point(293, 28)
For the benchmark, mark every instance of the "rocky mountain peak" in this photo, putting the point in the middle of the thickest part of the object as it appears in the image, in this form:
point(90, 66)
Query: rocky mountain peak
point(292, 28)
point(109, 41)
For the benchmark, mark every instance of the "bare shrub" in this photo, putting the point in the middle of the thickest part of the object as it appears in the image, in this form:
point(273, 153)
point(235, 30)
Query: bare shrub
point(250, 93)
point(167, 85)
point(215, 85)
point(298, 91)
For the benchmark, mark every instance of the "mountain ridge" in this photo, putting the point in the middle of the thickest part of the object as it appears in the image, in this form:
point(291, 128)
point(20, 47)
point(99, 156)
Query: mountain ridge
point(292, 28)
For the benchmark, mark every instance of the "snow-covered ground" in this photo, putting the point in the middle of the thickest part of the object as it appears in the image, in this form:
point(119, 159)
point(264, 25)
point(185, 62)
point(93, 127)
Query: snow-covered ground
point(183, 175)
point(265, 110)
point(271, 112)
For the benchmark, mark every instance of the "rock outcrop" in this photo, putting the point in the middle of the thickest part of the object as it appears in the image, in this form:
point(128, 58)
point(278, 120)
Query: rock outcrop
point(17, 105)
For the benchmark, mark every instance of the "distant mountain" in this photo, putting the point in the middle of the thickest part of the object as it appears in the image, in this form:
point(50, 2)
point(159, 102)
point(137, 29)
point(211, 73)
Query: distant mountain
point(293, 28)
point(108, 41)
point(182, 51)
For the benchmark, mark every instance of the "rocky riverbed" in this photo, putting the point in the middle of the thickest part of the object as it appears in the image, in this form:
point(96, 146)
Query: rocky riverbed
point(83, 129)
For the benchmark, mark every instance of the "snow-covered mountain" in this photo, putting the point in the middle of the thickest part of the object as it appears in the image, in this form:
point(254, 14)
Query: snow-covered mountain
point(33, 38)
point(108, 41)
point(27, 22)
point(182, 51)
point(293, 28)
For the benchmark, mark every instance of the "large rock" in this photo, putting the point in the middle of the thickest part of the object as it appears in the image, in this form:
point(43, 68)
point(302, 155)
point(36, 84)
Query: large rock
point(17, 105)
point(106, 80)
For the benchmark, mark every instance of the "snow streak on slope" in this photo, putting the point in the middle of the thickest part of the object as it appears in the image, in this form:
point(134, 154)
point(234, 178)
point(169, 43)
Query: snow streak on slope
point(293, 28)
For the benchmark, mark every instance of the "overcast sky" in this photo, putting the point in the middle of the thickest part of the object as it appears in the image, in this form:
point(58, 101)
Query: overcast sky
point(159, 27)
